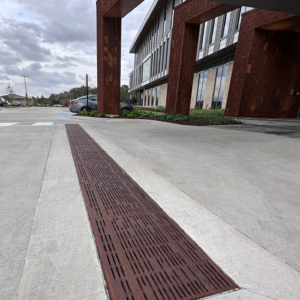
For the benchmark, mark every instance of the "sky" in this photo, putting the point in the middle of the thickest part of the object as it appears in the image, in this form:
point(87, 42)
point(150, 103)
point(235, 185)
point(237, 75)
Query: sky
point(54, 43)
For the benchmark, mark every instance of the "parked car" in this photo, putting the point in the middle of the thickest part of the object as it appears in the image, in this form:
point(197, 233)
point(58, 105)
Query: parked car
point(23, 103)
point(126, 106)
point(2, 102)
point(80, 104)
point(16, 103)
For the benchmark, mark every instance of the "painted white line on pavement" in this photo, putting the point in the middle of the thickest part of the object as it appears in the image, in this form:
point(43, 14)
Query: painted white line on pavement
point(42, 124)
point(7, 124)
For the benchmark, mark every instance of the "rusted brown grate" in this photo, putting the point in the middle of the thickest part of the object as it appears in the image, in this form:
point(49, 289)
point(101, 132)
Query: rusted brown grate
point(145, 255)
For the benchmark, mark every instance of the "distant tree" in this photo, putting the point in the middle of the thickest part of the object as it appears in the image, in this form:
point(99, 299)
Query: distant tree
point(10, 91)
point(124, 97)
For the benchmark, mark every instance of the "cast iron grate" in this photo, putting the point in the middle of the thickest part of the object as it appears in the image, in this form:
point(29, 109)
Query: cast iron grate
point(145, 255)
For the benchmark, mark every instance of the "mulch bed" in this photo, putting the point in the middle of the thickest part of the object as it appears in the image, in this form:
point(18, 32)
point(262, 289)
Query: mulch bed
point(189, 122)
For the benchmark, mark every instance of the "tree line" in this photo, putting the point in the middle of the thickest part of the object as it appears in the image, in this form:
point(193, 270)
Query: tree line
point(77, 92)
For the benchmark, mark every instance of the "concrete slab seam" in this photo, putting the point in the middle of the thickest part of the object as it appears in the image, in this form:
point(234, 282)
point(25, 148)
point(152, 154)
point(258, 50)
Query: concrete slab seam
point(35, 212)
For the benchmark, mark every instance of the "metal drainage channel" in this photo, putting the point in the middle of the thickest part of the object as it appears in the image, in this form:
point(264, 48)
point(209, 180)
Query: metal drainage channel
point(144, 254)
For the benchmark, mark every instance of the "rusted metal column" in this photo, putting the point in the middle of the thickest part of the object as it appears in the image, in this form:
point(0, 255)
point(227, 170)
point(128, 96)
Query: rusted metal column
point(109, 63)
point(187, 18)
point(182, 65)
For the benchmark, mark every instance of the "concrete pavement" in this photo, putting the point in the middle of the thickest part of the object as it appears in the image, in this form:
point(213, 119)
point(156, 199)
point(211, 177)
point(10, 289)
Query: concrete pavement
point(233, 190)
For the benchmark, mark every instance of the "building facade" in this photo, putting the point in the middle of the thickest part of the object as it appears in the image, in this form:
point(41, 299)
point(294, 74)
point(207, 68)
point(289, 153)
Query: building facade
point(216, 47)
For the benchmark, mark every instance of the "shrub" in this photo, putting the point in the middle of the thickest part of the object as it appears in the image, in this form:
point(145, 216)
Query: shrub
point(82, 112)
point(93, 113)
point(124, 113)
point(102, 115)
point(130, 115)
point(136, 112)
point(158, 109)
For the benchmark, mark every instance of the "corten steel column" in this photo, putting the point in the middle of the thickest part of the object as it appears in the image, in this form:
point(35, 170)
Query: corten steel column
point(109, 15)
point(109, 65)
point(266, 67)
point(187, 18)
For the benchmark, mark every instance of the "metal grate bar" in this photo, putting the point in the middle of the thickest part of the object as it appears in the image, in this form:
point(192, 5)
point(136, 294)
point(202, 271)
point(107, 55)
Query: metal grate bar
point(145, 255)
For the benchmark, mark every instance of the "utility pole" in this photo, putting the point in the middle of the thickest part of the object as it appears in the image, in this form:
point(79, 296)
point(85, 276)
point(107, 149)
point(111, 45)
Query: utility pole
point(25, 84)
point(87, 91)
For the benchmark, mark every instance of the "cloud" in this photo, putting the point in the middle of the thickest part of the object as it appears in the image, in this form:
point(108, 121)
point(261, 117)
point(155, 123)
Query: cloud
point(4, 77)
point(54, 42)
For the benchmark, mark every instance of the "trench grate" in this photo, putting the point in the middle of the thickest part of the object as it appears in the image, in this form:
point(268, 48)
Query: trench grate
point(144, 254)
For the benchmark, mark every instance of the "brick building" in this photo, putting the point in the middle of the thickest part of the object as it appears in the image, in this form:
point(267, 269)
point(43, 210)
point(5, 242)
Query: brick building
point(205, 54)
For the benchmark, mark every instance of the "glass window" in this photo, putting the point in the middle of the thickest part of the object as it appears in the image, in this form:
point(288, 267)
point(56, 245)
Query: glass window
point(163, 56)
point(203, 35)
point(201, 89)
point(93, 98)
point(165, 20)
point(157, 36)
point(172, 19)
point(146, 69)
point(226, 24)
point(219, 86)
point(157, 95)
point(158, 60)
point(213, 31)
point(239, 17)
point(167, 53)
point(152, 97)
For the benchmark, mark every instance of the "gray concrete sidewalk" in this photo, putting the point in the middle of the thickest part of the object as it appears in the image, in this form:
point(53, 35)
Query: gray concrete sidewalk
point(233, 190)
point(47, 249)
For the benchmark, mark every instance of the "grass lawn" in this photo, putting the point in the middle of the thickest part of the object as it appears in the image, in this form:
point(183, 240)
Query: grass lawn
point(215, 116)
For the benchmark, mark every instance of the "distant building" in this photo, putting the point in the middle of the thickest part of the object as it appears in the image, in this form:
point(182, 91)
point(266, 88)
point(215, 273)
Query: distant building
point(13, 98)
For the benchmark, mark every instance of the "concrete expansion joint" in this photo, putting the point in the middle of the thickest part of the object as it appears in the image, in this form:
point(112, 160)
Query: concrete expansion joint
point(265, 296)
point(37, 203)
point(248, 237)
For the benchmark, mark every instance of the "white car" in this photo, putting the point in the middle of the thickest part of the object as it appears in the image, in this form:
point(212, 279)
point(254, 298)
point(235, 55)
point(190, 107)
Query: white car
point(3, 102)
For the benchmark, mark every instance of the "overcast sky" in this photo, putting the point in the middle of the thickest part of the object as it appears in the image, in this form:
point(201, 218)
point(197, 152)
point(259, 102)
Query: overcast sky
point(54, 43)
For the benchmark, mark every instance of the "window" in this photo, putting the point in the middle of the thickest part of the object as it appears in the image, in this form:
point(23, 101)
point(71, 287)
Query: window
point(152, 97)
point(157, 95)
point(201, 89)
point(172, 19)
point(219, 86)
point(93, 98)
point(157, 36)
point(213, 31)
point(154, 64)
point(163, 56)
point(239, 17)
point(157, 61)
point(167, 54)
point(203, 35)
point(146, 69)
point(147, 98)
point(226, 22)
point(165, 20)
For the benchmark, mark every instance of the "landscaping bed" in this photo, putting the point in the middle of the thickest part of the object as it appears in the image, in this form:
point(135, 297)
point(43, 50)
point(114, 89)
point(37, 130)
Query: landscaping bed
point(196, 117)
